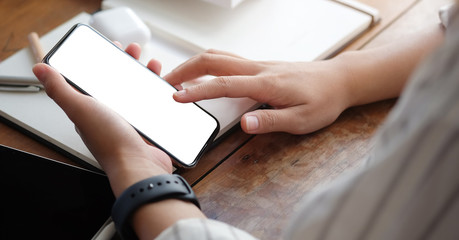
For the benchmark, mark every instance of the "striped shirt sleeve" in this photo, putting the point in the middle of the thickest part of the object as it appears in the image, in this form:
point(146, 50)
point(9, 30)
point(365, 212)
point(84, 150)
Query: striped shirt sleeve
point(203, 229)
point(446, 13)
point(409, 188)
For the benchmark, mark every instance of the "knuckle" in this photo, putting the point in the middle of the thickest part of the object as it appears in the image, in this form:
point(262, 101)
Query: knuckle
point(268, 83)
point(200, 91)
point(205, 60)
point(223, 82)
point(269, 86)
point(269, 121)
point(197, 89)
point(205, 57)
point(212, 51)
point(300, 122)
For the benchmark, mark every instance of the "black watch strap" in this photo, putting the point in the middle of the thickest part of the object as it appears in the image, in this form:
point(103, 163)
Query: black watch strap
point(154, 189)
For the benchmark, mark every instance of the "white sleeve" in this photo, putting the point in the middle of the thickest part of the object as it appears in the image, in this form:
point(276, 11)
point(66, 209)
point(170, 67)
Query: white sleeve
point(446, 12)
point(198, 229)
point(409, 188)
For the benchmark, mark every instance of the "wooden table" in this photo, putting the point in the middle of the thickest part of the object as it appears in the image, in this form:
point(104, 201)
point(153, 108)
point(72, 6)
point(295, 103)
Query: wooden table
point(252, 182)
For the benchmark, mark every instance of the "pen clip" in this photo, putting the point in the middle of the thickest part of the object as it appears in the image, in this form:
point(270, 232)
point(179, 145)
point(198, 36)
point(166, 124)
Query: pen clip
point(24, 84)
point(19, 84)
point(19, 88)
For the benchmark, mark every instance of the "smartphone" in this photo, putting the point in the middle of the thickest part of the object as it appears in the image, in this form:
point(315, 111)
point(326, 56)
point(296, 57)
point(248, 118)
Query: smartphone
point(95, 66)
point(46, 199)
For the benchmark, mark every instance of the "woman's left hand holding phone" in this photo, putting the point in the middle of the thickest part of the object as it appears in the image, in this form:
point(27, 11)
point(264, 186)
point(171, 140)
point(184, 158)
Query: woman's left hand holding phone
point(122, 153)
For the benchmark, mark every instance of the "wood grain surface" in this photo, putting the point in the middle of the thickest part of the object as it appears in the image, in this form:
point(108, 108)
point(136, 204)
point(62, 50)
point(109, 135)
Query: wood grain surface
point(252, 182)
point(17, 19)
point(261, 185)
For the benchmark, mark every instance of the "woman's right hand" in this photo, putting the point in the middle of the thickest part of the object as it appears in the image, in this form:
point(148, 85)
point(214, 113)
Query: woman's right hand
point(305, 96)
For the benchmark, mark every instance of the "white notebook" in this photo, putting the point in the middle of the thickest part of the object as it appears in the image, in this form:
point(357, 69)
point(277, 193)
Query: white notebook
point(315, 37)
point(291, 30)
point(225, 3)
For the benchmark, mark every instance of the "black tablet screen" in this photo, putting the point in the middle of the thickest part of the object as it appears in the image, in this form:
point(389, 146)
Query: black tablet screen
point(45, 199)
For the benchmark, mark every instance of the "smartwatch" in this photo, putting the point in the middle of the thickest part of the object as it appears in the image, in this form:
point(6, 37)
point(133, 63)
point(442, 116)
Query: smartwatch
point(154, 189)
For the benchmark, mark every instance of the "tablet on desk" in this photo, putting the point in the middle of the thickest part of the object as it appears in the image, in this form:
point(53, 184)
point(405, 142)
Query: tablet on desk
point(46, 199)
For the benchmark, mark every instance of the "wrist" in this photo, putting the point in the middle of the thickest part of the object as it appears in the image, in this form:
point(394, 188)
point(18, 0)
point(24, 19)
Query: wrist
point(362, 82)
point(344, 77)
point(122, 178)
point(125, 170)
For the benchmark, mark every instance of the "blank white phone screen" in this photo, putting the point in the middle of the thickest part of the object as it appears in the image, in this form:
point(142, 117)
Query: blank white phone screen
point(145, 100)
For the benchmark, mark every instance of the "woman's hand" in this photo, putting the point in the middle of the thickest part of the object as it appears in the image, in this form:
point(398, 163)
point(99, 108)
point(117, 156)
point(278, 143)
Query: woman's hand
point(306, 96)
point(123, 154)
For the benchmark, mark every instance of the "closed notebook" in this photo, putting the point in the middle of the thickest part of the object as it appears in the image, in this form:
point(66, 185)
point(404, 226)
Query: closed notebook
point(257, 29)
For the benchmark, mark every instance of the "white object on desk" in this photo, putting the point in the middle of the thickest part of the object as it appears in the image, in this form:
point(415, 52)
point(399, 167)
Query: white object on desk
point(225, 3)
point(290, 30)
point(121, 24)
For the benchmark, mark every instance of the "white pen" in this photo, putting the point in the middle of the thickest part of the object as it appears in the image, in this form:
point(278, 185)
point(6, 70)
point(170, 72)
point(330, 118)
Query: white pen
point(19, 88)
point(19, 81)
point(19, 84)
point(25, 84)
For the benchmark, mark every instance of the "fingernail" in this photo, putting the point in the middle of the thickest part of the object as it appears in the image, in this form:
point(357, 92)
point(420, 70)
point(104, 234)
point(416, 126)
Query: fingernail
point(180, 93)
point(178, 87)
point(252, 123)
point(77, 130)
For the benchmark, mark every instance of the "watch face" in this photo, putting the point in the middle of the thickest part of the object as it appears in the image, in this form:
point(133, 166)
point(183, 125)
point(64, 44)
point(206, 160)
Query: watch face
point(45, 199)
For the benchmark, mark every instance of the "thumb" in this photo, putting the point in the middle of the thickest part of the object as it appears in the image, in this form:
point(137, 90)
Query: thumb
point(58, 89)
point(53, 81)
point(264, 121)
